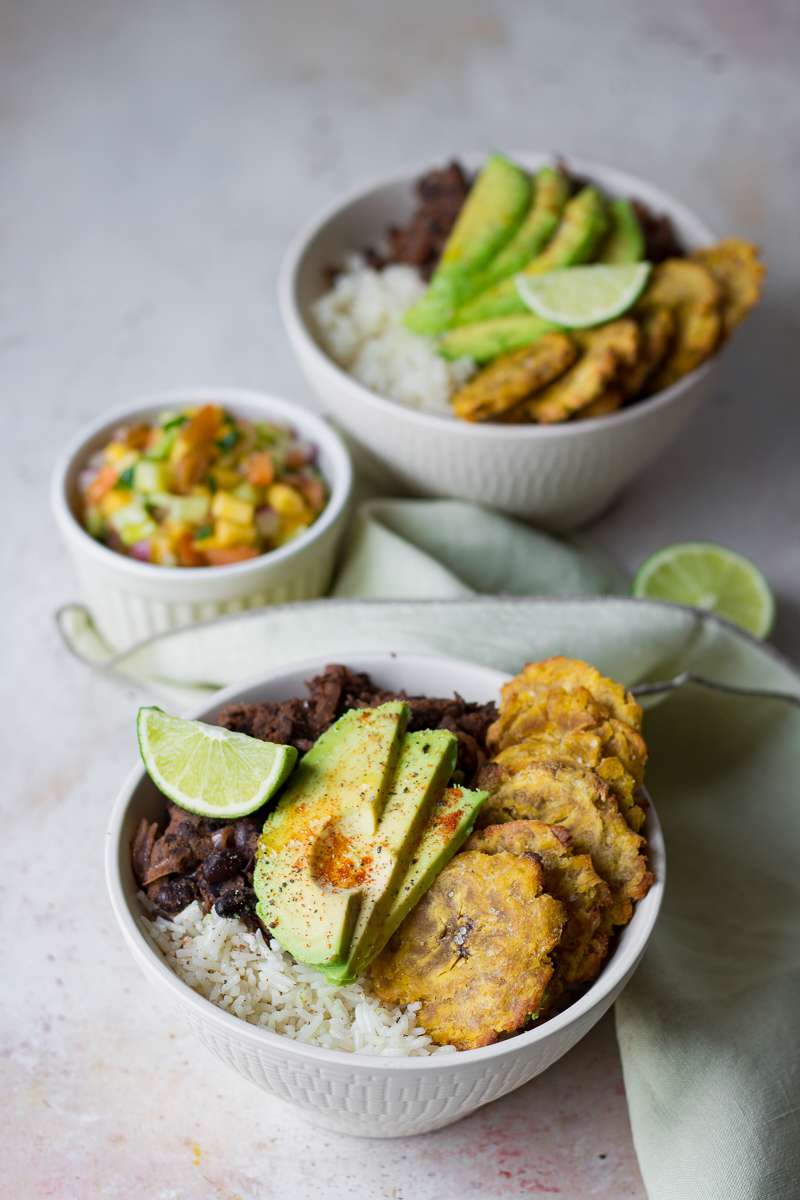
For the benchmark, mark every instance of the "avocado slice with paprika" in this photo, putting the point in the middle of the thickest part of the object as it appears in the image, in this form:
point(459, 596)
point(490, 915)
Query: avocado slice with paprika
point(485, 340)
point(427, 760)
point(489, 217)
point(624, 242)
point(551, 192)
point(582, 227)
point(309, 872)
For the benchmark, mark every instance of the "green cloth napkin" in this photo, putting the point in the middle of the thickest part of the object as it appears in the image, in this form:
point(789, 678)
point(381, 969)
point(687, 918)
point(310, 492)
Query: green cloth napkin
point(709, 1027)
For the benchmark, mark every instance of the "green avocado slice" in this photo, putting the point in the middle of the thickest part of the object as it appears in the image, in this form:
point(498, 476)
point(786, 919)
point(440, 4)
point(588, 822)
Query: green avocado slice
point(449, 826)
point(307, 876)
point(625, 240)
point(550, 195)
point(484, 340)
point(490, 215)
point(427, 760)
point(582, 226)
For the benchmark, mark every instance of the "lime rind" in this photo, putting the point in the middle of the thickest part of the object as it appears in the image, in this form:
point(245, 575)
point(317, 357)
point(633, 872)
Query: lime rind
point(708, 576)
point(580, 297)
point(208, 770)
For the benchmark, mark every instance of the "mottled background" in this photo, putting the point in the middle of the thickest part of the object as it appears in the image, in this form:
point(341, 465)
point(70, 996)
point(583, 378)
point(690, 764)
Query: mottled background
point(155, 158)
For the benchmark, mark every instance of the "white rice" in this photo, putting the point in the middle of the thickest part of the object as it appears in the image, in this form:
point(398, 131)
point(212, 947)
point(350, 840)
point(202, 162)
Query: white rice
point(256, 980)
point(359, 322)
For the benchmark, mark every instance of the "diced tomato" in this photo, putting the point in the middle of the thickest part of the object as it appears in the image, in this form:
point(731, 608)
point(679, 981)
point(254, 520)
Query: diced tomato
point(103, 482)
point(203, 427)
point(221, 556)
point(260, 469)
point(188, 555)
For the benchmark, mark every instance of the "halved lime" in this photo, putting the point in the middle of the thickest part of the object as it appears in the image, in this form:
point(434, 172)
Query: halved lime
point(708, 576)
point(577, 297)
point(208, 770)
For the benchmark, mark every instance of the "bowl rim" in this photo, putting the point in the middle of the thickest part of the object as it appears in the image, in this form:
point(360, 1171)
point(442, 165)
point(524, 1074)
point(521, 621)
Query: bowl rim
point(300, 334)
point(622, 961)
point(309, 423)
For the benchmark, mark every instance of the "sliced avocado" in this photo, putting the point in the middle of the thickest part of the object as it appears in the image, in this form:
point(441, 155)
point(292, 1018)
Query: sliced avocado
point(550, 195)
point(486, 339)
point(489, 217)
point(427, 760)
point(449, 826)
point(624, 242)
point(309, 869)
point(582, 226)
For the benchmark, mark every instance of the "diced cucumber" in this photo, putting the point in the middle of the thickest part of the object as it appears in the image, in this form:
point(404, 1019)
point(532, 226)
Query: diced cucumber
point(246, 491)
point(150, 476)
point(132, 524)
point(162, 449)
point(193, 510)
point(95, 521)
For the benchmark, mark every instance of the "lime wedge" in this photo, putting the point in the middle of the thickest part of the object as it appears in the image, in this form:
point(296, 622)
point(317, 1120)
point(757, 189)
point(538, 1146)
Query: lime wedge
point(209, 770)
point(576, 297)
point(704, 575)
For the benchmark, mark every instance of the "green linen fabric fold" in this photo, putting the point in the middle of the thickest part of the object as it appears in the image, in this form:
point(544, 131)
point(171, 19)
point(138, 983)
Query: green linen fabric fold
point(709, 1026)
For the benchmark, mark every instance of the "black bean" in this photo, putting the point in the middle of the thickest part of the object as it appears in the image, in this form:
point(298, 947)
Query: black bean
point(246, 833)
point(237, 902)
point(173, 895)
point(221, 865)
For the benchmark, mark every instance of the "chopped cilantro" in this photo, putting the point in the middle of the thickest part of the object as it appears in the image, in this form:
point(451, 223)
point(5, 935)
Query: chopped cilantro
point(175, 422)
point(205, 531)
point(125, 478)
point(229, 439)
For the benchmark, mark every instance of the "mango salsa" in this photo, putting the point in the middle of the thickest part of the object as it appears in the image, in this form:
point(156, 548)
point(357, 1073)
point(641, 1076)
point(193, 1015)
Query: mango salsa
point(201, 487)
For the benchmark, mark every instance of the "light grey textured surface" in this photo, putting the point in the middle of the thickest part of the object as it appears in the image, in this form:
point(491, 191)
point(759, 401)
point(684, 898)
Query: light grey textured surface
point(156, 158)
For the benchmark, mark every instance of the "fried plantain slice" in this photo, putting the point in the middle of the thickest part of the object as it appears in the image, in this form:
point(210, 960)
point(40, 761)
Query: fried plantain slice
point(529, 713)
point(607, 402)
point(739, 272)
point(499, 388)
point(582, 748)
point(690, 291)
point(656, 332)
point(605, 351)
point(572, 879)
point(571, 674)
point(475, 951)
point(580, 801)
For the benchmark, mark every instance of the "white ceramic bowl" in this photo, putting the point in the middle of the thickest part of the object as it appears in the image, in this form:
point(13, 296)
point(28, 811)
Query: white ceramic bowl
point(131, 600)
point(558, 475)
point(358, 1094)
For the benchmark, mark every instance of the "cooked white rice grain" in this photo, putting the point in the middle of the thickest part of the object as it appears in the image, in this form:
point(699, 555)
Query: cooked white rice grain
point(254, 979)
point(360, 324)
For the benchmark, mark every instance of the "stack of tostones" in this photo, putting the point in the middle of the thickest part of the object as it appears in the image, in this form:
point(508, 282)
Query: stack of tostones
point(525, 915)
point(688, 309)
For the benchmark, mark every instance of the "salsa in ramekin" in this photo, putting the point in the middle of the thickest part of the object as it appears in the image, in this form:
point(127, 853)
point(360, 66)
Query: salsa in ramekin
point(200, 487)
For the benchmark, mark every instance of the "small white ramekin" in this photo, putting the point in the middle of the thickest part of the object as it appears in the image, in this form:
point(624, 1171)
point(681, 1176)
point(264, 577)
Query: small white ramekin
point(560, 476)
point(131, 600)
point(368, 1095)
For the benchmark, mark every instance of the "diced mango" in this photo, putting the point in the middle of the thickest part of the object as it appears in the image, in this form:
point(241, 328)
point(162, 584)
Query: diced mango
point(231, 533)
point(116, 452)
point(227, 507)
point(226, 478)
point(114, 500)
point(286, 501)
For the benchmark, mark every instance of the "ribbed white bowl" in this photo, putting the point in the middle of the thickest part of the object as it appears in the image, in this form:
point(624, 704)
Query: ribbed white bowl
point(131, 600)
point(560, 475)
point(365, 1095)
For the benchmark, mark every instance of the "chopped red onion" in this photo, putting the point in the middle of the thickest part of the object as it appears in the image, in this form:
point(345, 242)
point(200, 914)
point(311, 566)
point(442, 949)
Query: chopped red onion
point(267, 522)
